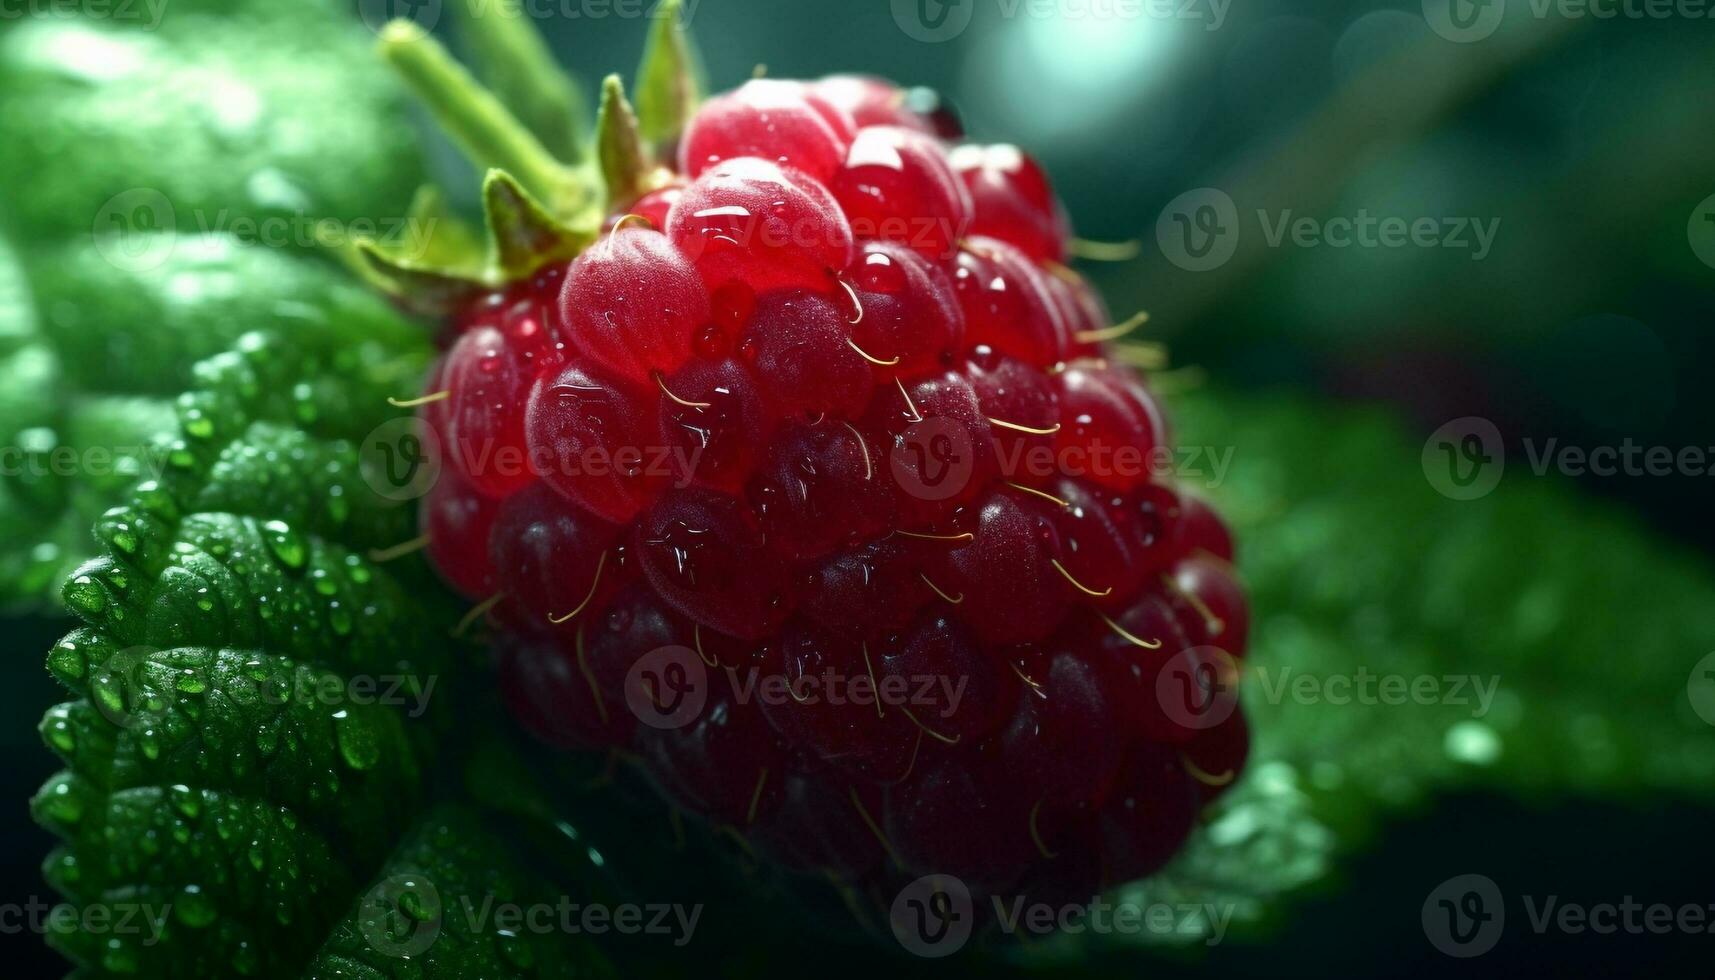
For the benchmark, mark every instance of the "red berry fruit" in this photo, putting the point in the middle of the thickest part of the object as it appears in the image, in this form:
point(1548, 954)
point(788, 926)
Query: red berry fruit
point(825, 408)
point(481, 419)
point(458, 520)
point(799, 344)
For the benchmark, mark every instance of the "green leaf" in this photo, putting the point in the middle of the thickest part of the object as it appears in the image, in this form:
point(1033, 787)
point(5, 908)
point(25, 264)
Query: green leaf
point(1358, 567)
point(115, 344)
point(170, 170)
point(263, 702)
point(251, 118)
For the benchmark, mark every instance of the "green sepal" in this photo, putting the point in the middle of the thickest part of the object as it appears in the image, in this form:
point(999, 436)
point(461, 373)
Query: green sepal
point(669, 81)
point(625, 164)
point(523, 236)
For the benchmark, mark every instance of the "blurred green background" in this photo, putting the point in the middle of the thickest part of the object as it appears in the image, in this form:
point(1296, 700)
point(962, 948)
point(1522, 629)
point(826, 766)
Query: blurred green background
point(1585, 143)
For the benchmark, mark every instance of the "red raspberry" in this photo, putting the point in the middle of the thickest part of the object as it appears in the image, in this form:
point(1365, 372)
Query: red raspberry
point(832, 428)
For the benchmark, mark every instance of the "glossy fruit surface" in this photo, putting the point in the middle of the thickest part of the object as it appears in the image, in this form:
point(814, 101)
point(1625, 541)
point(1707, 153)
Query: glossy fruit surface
point(821, 442)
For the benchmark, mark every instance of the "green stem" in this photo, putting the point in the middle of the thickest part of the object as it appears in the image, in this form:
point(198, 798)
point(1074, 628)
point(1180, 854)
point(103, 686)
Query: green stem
point(489, 134)
point(513, 58)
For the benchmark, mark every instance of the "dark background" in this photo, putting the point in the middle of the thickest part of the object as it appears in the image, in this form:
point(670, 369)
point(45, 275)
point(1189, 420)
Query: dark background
point(1591, 141)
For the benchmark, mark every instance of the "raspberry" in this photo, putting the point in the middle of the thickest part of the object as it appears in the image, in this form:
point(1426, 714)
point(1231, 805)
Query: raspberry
point(822, 407)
